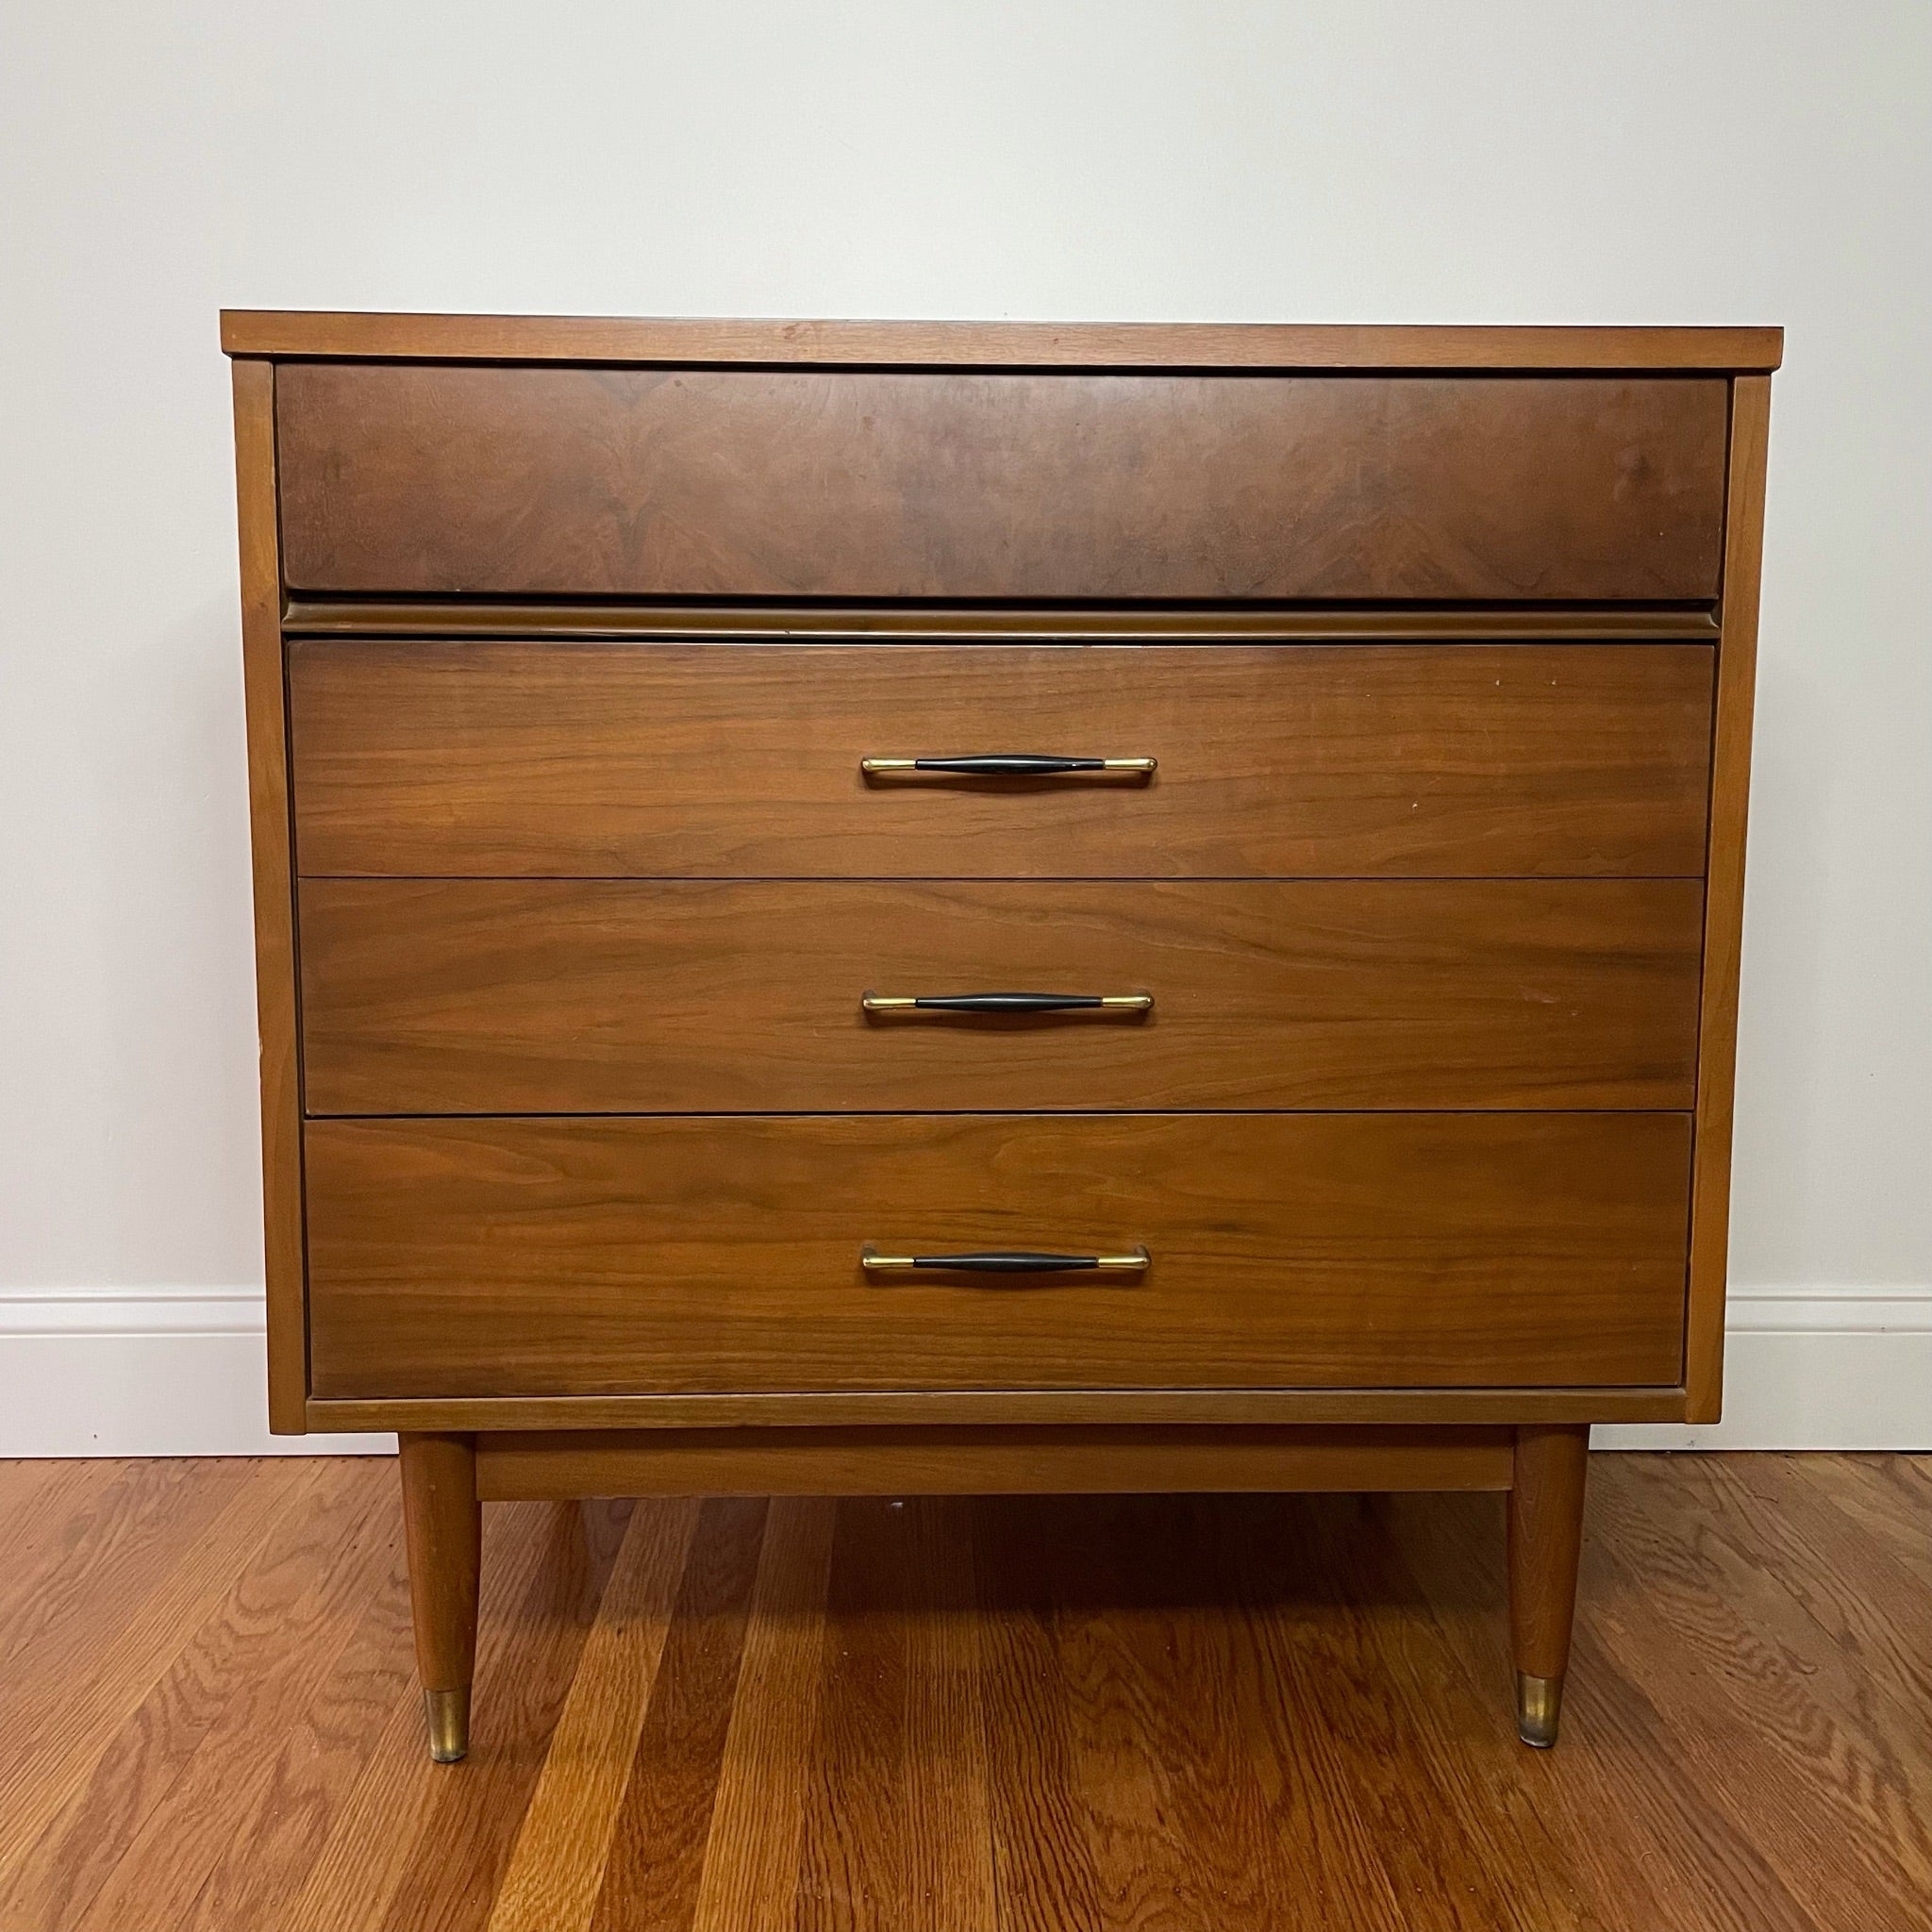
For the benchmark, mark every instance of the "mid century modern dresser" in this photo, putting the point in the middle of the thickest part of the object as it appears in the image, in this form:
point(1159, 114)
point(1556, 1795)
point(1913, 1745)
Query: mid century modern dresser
point(858, 907)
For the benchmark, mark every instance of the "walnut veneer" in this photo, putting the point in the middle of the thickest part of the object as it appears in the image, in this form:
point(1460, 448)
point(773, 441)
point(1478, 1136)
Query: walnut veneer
point(587, 665)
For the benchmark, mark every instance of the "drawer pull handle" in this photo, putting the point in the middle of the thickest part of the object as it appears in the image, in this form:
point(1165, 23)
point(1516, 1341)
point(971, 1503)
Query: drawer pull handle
point(1008, 764)
point(1001, 1263)
point(1009, 1003)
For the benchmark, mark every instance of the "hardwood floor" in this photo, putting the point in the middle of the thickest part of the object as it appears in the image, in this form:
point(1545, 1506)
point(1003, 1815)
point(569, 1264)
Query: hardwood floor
point(943, 1715)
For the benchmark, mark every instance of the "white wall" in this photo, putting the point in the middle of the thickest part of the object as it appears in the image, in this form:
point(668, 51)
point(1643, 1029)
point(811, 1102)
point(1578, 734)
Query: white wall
point(1682, 160)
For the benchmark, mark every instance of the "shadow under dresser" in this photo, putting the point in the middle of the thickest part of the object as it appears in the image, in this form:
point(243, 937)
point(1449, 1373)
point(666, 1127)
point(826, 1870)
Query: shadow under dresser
point(854, 908)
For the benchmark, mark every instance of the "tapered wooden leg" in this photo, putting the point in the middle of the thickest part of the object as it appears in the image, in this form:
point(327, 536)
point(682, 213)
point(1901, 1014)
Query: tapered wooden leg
point(1546, 1537)
point(443, 1524)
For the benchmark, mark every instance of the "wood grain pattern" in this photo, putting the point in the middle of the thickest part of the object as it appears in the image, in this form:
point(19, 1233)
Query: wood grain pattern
point(557, 1870)
point(471, 1827)
point(1024, 344)
point(503, 617)
point(1207, 1714)
point(1821, 1718)
point(952, 1873)
point(67, 1696)
point(120, 1521)
point(498, 759)
point(1721, 1877)
point(986, 1461)
point(445, 1528)
point(118, 1533)
point(270, 841)
point(490, 1257)
point(1298, 1670)
point(1724, 931)
point(1545, 1538)
point(229, 1824)
point(657, 1859)
point(554, 997)
point(467, 480)
point(758, 1819)
point(1016, 1408)
point(404, 1839)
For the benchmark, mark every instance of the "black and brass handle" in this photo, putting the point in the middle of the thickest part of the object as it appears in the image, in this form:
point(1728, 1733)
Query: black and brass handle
point(1008, 1002)
point(1003, 1262)
point(1006, 764)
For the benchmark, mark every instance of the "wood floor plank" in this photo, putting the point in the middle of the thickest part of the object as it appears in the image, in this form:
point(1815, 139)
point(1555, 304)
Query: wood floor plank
point(224, 1825)
point(656, 1847)
point(327, 1754)
point(1044, 1873)
point(752, 1853)
point(1454, 1751)
point(949, 1877)
point(58, 1722)
point(22, 1476)
point(852, 1876)
point(1647, 1846)
point(378, 1830)
point(454, 1865)
point(557, 1869)
point(1123, 1637)
point(227, 1685)
point(1875, 1609)
point(374, 1835)
point(1356, 1727)
point(1302, 1713)
point(1769, 1720)
point(1888, 1497)
point(46, 1507)
point(66, 1593)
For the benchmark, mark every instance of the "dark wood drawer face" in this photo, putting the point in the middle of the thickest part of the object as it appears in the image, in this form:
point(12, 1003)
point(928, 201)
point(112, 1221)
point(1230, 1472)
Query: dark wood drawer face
point(880, 484)
point(737, 761)
point(623, 996)
point(571, 1257)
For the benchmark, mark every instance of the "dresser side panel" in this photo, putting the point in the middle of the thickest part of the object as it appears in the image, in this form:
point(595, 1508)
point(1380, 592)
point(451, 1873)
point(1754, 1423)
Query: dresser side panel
point(271, 840)
point(1724, 897)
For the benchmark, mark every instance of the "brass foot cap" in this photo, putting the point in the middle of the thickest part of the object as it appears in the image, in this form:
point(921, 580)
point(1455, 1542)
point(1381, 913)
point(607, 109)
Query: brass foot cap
point(1539, 1708)
point(449, 1724)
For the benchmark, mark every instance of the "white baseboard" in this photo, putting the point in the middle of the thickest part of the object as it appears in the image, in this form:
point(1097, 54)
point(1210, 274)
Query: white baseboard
point(142, 1372)
point(178, 1371)
point(1812, 1369)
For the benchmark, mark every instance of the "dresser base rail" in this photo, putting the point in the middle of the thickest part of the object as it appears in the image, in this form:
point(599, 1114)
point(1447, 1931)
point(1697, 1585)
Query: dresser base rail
point(551, 1464)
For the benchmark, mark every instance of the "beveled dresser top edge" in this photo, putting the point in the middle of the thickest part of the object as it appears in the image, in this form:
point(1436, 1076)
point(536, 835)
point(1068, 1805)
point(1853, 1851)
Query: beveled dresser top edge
point(1284, 346)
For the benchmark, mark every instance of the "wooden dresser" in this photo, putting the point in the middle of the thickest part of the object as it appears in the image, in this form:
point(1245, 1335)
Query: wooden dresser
point(861, 908)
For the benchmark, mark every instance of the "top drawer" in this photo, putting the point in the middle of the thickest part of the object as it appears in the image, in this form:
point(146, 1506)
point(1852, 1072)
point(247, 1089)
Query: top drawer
point(442, 479)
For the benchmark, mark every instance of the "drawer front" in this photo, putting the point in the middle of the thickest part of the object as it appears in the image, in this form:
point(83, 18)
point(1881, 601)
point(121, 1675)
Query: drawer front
point(572, 1257)
point(587, 996)
point(579, 760)
point(882, 484)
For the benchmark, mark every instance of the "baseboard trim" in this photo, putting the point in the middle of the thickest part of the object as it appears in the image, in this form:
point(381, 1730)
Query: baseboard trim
point(142, 1372)
point(178, 1371)
point(1814, 1368)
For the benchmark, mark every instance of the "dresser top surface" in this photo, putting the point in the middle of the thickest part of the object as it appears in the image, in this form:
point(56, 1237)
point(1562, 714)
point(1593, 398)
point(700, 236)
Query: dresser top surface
point(1284, 346)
